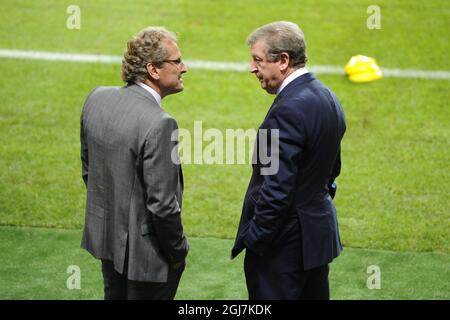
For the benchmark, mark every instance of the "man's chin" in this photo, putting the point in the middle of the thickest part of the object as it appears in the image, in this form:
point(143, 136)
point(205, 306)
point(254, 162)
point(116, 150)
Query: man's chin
point(173, 91)
point(179, 87)
point(269, 90)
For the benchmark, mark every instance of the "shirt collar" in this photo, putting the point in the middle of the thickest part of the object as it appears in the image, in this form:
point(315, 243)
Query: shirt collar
point(152, 92)
point(294, 75)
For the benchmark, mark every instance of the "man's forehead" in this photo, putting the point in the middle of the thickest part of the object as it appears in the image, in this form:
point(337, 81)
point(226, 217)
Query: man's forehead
point(171, 46)
point(258, 48)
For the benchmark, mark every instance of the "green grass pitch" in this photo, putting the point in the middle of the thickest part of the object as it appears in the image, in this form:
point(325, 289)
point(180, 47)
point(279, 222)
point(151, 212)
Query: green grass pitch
point(392, 199)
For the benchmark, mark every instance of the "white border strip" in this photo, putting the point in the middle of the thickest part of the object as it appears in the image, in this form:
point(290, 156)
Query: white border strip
point(211, 65)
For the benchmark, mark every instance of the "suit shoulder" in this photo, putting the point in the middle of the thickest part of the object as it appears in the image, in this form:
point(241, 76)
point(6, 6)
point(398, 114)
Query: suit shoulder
point(152, 112)
point(309, 95)
point(102, 90)
point(99, 93)
point(291, 106)
point(162, 119)
point(163, 124)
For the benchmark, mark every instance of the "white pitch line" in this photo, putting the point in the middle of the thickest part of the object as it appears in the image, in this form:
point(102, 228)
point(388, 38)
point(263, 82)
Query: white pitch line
point(58, 56)
point(211, 65)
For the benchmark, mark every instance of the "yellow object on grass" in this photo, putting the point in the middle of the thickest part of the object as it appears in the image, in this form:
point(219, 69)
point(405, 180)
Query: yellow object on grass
point(362, 69)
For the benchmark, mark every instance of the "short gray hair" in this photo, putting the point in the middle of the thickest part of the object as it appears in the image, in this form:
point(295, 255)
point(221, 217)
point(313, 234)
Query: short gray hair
point(282, 36)
point(144, 47)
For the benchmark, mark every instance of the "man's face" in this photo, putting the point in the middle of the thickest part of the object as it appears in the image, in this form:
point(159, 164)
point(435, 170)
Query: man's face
point(268, 72)
point(171, 70)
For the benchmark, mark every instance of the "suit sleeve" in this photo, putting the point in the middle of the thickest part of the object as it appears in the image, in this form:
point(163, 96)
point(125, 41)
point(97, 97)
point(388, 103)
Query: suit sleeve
point(161, 181)
point(83, 138)
point(275, 195)
point(84, 151)
point(336, 170)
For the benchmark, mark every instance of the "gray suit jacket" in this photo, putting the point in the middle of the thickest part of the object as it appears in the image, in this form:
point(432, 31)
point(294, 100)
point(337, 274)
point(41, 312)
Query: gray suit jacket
point(134, 189)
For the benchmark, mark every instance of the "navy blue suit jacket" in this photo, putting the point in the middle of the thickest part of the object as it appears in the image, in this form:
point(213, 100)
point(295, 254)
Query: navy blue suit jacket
point(311, 125)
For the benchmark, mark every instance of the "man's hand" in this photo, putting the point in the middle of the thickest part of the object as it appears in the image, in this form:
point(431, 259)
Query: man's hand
point(332, 189)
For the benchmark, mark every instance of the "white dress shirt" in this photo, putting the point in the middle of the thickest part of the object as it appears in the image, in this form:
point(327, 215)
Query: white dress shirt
point(294, 75)
point(152, 92)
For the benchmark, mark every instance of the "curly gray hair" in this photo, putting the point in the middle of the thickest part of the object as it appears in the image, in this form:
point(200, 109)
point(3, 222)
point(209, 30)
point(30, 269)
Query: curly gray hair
point(282, 36)
point(144, 47)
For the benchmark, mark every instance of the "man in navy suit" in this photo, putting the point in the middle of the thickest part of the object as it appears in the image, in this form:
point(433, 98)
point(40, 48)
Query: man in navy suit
point(288, 225)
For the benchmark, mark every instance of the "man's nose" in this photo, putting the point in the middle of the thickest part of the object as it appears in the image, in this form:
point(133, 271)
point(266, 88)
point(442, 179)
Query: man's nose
point(184, 68)
point(252, 67)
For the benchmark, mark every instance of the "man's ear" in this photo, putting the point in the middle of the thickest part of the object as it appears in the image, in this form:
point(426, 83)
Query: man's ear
point(153, 72)
point(284, 61)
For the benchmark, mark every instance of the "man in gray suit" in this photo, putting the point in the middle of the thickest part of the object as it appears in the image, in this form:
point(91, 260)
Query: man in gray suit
point(131, 170)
